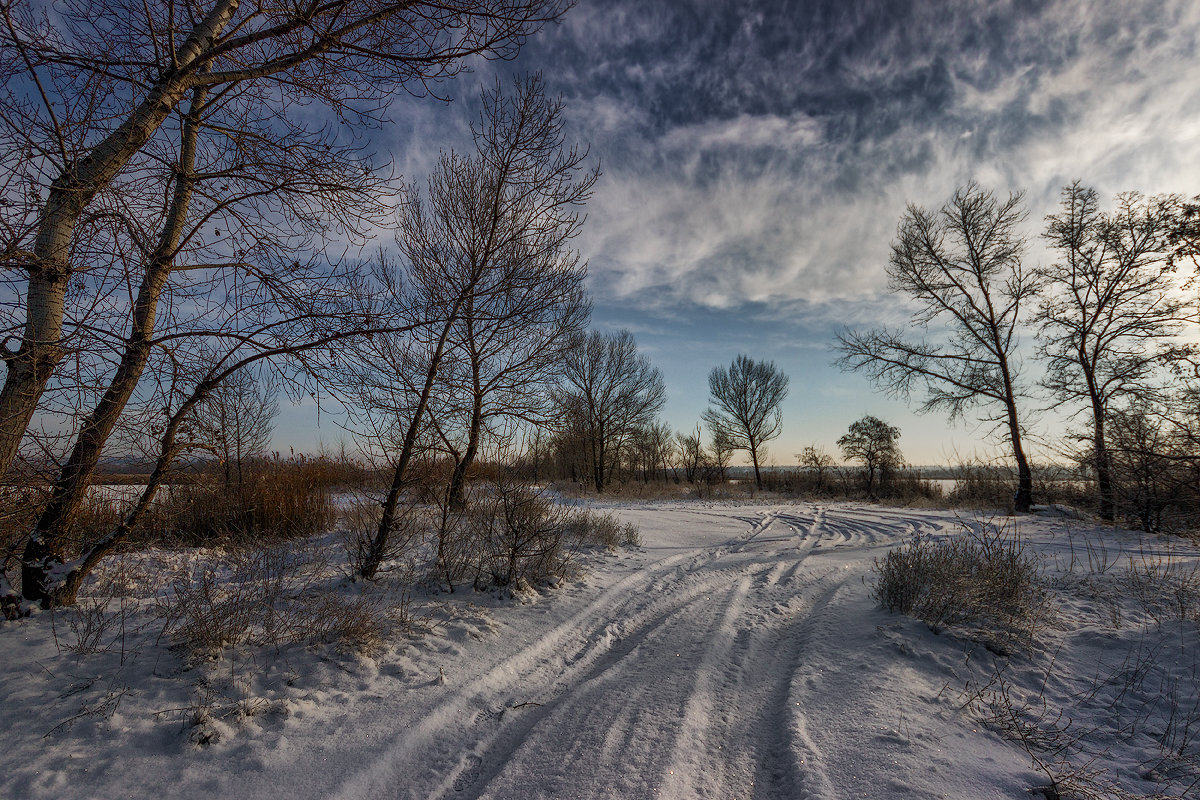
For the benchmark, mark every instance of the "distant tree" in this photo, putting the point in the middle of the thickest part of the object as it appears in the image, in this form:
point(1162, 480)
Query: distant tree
point(816, 459)
point(652, 449)
point(609, 390)
point(872, 442)
point(690, 448)
point(1112, 311)
point(237, 420)
point(720, 453)
point(745, 405)
point(962, 264)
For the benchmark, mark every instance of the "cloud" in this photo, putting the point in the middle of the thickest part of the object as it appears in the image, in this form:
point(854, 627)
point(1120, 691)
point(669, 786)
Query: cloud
point(756, 154)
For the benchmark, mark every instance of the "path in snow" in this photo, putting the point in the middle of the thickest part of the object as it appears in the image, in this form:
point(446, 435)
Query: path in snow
point(738, 656)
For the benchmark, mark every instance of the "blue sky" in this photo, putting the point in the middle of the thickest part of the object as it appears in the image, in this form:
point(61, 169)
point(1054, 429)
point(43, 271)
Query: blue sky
point(757, 157)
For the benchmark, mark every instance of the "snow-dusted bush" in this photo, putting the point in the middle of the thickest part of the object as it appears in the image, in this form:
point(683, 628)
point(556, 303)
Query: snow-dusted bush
point(511, 534)
point(593, 527)
point(984, 578)
point(520, 534)
point(266, 597)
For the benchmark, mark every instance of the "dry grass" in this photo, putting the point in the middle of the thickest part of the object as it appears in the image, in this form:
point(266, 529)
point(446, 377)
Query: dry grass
point(267, 597)
point(276, 500)
point(985, 579)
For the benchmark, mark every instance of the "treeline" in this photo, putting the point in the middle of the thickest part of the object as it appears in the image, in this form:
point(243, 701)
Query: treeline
point(1111, 321)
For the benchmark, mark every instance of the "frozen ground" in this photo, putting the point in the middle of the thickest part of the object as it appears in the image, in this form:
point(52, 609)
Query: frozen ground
point(737, 654)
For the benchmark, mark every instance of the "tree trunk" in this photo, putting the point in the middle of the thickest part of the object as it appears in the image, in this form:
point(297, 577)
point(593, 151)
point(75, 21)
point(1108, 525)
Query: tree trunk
point(1103, 460)
point(370, 566)
point(1023, 500)
point(44, 552)
point(754, 459)
point(458, 479)
point(599, 455)
point(34, 362)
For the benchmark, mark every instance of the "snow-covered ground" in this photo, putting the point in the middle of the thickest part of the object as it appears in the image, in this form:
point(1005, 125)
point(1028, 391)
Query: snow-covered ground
point(737, 653)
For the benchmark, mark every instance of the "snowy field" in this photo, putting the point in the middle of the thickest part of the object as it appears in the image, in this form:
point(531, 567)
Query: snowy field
point(737, 654)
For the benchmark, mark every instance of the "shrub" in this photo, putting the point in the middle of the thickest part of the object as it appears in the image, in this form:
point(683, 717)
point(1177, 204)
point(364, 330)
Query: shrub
point(984, 579)
point(360, 525)
point(266, 597)
point(512, 534)
point(520, 533)
point(278, 500)
point(592, 528)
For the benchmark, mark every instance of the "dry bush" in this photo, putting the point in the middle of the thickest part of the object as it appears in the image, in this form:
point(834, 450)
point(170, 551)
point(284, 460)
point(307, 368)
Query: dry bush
point(511, 534)
point(1047, 734)
point(520, 534)
point(594, 528)
point(107, 619)
point(278, 500)
point(1165, 586)
point(981, 485)
point(266, 597)
point(984, 579)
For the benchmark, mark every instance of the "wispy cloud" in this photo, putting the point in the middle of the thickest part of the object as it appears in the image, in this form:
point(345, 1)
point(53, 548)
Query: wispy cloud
point(763, 154)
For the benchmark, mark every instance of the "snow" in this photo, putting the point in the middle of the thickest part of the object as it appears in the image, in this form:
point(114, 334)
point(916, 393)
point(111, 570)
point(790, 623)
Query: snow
point(737, 653)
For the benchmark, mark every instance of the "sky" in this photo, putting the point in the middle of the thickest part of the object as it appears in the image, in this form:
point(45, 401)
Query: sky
point(757, 157)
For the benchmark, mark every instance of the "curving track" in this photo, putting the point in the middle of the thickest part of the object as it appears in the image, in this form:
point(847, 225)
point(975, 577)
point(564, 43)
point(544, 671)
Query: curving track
point(721, 664)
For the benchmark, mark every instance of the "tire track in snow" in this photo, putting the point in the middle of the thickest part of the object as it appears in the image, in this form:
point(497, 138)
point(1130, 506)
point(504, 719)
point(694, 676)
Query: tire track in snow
point(612, 708)
point(615, 618)
point(679, 674)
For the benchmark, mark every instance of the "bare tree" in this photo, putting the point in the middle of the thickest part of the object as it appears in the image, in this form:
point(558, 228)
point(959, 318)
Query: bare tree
point(1113, 310)
point(872, 442)
point(962, 265)
point(489, 252)
point(745, 405)
point(236, 421)
point(88, 89)
point(212, 281)
point(651, 451)
point(510, 335)
point(609, 390)
point(48, 576)
point(690, 447)
point(720, 453)
point(816, 459)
